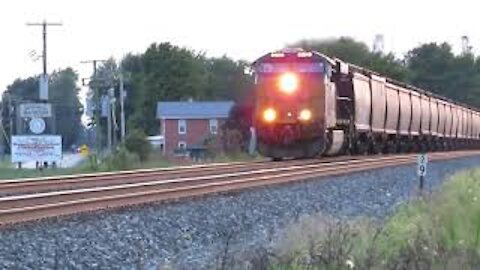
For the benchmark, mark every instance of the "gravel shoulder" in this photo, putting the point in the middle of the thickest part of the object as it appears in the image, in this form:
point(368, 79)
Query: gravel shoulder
point(191, 234)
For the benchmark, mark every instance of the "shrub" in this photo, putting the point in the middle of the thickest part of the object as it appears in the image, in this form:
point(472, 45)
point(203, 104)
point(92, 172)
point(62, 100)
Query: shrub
point(122, 159)
point(136, 142)
point(233, 141)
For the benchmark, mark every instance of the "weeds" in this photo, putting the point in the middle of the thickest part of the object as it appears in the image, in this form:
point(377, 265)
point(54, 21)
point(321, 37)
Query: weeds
point(434, 232)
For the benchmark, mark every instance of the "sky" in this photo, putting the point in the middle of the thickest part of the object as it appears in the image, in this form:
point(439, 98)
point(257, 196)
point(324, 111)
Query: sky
point(239, 29)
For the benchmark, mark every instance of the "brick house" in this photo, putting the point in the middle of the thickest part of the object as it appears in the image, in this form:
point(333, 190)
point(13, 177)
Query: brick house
point(187, 124)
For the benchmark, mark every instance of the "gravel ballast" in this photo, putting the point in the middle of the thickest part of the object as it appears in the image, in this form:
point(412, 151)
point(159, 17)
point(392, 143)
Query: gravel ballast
point(191, 234)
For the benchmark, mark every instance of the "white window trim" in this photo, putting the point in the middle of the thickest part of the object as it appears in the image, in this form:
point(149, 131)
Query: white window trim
point(180, 143)
point(213, 123)
point(184, 125)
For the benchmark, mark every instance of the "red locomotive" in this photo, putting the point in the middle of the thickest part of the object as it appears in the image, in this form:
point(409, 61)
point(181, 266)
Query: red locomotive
point(308, 104)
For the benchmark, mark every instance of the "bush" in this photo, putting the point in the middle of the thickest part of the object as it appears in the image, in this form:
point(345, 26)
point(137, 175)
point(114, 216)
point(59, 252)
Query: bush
point(122, 159)
point(136, 142)
point(233, 141)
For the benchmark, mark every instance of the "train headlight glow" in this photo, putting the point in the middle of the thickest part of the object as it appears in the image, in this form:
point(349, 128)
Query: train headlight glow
point(269, 115)
point(305, 115)
point(288, 82)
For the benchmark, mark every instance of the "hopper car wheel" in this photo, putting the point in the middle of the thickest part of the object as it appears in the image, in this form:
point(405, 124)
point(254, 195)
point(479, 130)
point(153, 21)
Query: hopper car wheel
point(376, 147)
point(393, 147)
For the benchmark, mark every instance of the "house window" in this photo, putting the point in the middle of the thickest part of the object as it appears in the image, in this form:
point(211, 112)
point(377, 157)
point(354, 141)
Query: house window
point(213, 123)
point(182, 146)
point(182, 126)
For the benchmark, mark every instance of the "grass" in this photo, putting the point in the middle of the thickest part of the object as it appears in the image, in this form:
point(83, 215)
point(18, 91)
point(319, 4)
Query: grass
point(450, 218)
point(8, 171)
point(437, 231)
point(127, 162)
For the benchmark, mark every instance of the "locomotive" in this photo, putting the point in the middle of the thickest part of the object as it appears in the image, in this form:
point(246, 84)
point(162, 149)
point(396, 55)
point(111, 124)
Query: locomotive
point(308, 104)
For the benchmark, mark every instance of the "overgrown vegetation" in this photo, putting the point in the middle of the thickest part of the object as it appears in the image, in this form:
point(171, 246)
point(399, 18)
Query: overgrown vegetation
point(121, 159)
point(441, 231)
point(137, 143)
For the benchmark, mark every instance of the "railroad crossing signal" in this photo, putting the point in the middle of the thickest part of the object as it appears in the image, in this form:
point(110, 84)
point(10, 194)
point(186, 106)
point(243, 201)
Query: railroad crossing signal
point(422, 162)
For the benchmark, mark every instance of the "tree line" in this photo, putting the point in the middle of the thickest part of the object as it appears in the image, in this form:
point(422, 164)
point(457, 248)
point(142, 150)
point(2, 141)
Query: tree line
point(431, 66)
point(165, 72)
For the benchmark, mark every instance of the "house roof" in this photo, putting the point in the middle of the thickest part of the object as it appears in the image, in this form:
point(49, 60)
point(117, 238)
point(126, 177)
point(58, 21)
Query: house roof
point(193, 110)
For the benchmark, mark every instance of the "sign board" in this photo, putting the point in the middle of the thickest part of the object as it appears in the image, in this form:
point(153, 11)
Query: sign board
point(36, 148)
point(35, 110)
point(84, 150)
point(43, 87)
point(37, 125)
point(422, 162)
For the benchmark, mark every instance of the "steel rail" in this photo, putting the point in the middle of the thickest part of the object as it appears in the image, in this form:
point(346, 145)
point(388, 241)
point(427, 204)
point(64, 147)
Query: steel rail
point(35, 206)
point(69, 182)
point(66, 195)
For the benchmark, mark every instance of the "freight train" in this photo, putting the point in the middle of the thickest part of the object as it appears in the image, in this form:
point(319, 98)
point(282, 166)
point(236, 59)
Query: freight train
point(308, 104)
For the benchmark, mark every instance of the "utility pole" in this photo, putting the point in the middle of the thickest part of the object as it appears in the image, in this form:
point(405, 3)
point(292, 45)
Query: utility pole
point(44, 80)
point(43, 86)
point(466, 48)
point(98, 131)
point(10, 112)
point(122, 109)
point(111, 95)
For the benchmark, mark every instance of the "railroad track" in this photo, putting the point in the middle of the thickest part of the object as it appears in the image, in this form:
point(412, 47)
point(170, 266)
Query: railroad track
point(75, 194)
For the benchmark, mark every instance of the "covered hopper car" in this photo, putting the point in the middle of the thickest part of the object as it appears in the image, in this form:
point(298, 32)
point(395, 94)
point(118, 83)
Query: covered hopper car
point(308, 104)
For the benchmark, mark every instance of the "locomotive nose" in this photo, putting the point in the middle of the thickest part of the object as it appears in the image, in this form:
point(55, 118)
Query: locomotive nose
point(287, 134)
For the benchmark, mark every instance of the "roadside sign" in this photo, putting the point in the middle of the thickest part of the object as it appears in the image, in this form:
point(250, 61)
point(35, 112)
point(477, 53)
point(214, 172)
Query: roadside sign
point(37, 125)
point(84, 150)
point(36, 148)
point(35, 110)
point(422, 162)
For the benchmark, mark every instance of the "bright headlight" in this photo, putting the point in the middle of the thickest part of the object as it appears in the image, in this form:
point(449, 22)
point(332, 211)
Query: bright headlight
point(305, 115)
point(269, 115)
point(288, 82)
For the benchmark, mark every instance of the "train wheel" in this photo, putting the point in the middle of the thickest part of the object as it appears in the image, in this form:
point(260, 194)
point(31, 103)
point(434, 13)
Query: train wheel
point(376, 147)
point(360, 148)
point(391, 147)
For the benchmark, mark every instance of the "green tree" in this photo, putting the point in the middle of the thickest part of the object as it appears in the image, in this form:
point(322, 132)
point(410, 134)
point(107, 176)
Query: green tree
point(430, 67)
point(19, 91)
point(228, 80)
point(434, 67)
point(358, 53)
point(63, 95)
point(136, 142)
point(345, 48)
point(387, 65)
point(169, 73)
